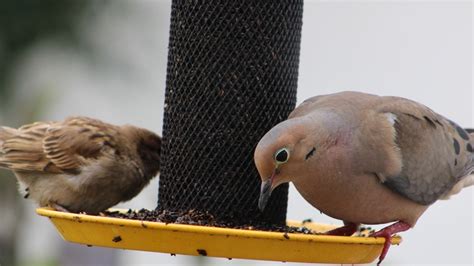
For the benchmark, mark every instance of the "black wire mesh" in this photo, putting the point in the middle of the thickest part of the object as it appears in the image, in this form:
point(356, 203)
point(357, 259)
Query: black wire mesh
point(232, 75)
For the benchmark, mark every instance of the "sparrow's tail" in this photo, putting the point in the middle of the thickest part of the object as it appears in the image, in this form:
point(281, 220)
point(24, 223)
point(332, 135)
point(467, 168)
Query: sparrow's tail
point(5, 134)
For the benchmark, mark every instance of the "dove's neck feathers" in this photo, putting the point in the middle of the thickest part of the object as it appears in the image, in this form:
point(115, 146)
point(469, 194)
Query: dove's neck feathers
point(320, 129)
point(329, 129)
point(349, 138)
point(323, 133)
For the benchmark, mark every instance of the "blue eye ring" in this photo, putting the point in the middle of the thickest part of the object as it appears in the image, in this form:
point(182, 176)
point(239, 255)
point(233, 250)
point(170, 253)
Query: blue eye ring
point(282, 156)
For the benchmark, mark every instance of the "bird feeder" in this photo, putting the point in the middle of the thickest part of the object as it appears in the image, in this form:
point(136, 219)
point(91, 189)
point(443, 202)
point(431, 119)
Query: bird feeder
point(216, 242)
point(232, 75)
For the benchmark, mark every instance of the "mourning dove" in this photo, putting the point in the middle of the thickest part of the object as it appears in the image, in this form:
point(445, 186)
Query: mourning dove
point(80, 164)
point(367, 159)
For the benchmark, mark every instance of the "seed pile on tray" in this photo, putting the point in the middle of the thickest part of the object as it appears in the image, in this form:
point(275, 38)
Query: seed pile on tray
point(194, 217)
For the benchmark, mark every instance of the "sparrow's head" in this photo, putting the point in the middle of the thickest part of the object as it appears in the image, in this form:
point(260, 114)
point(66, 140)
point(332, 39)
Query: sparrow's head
point(148, 147)
point(284, 152)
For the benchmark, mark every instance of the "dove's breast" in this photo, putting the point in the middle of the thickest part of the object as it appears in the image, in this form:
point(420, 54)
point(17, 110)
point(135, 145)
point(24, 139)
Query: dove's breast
point(353, 196)
point(358, 199)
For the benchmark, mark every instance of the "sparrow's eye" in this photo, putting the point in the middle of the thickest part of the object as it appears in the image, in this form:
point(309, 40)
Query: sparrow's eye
point(282, 155)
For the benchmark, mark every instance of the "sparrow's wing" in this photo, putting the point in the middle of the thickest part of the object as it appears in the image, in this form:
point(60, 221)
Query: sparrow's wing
point(56, 147)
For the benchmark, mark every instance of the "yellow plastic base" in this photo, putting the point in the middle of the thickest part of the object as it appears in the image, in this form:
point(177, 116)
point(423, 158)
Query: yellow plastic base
point(214, 241)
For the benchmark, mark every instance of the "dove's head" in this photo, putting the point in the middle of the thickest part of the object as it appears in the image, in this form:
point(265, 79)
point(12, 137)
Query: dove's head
point(284, 151)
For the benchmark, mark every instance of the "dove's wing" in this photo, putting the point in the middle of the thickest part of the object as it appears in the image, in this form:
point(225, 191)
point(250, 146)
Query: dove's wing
point(435, 151)
point(55, 147)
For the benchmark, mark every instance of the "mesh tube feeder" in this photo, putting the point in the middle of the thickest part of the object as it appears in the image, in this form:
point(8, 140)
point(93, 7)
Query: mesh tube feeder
point(232, 75)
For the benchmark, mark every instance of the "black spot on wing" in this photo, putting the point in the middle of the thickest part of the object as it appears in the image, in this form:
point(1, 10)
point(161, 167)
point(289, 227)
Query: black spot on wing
point(310, 153)
point(412, 116)
point(469, 130)
point(455, 162)
point(430, 121)
point(457, 148)
point(462, 133)
point(469, 147)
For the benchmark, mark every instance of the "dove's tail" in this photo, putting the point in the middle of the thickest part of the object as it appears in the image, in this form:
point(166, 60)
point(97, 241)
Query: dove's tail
point(470, 178)
point(467, 180)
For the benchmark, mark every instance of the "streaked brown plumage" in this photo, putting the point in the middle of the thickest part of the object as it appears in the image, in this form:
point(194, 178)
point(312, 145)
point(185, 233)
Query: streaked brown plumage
point(80, 164)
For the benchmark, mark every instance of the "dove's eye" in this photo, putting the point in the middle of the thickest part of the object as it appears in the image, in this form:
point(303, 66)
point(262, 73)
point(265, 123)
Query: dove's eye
point(282, 155)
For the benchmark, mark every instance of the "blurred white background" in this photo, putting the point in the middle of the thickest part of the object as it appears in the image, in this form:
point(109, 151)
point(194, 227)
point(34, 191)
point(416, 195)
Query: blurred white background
point(421, 50)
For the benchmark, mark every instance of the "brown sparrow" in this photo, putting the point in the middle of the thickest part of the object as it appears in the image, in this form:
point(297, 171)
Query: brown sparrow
point(80, 164)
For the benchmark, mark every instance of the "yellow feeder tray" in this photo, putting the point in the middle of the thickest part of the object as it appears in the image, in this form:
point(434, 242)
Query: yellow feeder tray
point(215, 241)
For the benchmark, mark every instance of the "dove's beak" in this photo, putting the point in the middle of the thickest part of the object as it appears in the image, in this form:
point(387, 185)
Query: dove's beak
point(266, 191)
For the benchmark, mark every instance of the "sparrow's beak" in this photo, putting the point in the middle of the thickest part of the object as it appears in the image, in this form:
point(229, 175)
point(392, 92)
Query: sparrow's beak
point(266, 191)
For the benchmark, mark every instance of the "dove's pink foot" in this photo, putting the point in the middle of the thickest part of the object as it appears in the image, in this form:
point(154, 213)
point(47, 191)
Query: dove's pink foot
point(387, 233)
point(347, 230)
